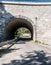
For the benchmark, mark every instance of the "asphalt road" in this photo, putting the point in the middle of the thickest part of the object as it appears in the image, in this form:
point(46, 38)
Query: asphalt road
point(25, 53)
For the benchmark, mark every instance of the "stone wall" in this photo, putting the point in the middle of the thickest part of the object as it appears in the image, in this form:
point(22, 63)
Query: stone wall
point(42, 13)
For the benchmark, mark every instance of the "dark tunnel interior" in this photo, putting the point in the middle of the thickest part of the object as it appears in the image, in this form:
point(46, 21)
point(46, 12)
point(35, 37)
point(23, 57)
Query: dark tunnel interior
point(15, 24)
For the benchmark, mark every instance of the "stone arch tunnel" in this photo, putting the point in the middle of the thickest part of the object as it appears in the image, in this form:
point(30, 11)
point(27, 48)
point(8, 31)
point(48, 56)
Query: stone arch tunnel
point(39, 27)
point(15, 24)
point(9, 23)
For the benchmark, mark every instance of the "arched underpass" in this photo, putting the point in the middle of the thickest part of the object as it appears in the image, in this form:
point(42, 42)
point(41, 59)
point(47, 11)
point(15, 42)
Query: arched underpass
point(15, 24)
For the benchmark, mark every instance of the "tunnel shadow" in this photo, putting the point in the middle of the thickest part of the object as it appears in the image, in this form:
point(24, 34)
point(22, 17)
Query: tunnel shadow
point(25, 39)
point(33, 58)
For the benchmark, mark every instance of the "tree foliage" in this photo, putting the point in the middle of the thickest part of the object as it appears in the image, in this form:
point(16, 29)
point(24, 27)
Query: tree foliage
point(20, 32)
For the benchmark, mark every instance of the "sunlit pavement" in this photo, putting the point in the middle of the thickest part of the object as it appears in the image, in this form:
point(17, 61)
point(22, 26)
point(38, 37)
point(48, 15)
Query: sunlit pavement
point(25, 53)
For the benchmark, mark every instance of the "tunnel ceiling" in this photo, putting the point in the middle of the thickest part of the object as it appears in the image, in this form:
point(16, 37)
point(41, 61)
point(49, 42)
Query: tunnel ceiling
point(15, 24)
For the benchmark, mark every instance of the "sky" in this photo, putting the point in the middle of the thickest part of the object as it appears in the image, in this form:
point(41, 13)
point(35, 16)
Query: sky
point(28, 0)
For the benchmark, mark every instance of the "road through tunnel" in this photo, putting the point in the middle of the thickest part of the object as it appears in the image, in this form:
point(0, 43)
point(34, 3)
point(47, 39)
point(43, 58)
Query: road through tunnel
point(15, 24)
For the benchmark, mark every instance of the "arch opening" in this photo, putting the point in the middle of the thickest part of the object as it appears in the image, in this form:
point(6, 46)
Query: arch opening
point(14, 25)
point(23, 34)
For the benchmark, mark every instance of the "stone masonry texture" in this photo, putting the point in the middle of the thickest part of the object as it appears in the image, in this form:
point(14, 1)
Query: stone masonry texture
point(43, 21)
